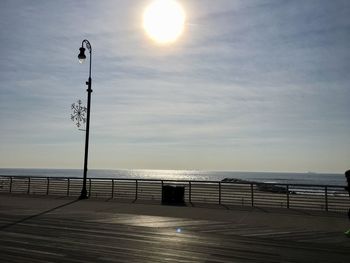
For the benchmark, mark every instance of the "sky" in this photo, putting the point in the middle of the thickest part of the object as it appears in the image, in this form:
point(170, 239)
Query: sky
point(257, 85)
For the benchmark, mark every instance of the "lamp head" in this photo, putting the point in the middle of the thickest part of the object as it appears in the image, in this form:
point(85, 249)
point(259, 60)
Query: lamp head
point(81, 55)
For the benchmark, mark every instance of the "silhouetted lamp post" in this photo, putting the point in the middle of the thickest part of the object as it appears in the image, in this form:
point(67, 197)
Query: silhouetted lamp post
point(82, 58)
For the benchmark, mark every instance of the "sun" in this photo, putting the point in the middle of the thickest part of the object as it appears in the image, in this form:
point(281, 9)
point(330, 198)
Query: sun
point(164, 20)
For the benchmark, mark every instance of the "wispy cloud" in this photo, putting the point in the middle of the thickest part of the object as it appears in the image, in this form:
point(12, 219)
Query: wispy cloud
point(246, 77)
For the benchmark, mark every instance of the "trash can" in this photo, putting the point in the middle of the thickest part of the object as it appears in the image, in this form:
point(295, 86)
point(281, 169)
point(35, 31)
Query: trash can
point(173, 195)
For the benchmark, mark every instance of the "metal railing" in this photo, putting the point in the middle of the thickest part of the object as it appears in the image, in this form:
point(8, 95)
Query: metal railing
point(290, 196)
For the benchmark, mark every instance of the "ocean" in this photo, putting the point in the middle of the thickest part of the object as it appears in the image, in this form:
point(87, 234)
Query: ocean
point(195, 175)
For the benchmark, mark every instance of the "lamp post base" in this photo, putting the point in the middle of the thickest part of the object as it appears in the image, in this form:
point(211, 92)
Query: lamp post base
point(83, 194)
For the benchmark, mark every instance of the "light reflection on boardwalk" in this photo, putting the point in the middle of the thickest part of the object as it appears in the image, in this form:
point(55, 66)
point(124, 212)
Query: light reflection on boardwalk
point(59, 230)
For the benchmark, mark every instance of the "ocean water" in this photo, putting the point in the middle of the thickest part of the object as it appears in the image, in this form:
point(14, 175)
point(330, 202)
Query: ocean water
point(195, 175)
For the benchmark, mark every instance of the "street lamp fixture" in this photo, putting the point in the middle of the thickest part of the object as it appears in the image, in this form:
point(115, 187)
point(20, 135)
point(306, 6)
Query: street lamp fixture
point(82, 58)
point(81, 55)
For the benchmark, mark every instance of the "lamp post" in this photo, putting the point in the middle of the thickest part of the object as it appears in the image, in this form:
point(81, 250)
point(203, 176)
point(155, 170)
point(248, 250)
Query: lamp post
point(82, 58)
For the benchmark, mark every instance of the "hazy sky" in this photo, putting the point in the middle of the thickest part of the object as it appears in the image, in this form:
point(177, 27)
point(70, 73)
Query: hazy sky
point(250, 86)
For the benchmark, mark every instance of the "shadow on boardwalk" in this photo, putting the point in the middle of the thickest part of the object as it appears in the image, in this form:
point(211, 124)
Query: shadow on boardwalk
point(37, 215)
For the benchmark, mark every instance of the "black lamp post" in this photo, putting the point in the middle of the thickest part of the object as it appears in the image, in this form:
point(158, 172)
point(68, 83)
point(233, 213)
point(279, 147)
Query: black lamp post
point(82, 58)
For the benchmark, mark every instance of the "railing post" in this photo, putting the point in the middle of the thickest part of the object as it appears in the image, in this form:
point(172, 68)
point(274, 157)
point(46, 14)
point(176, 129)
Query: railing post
point(190, 192)
point(287, 188)
point(10, 184)
point(136, 188)
point(28, 190)
point(219, 193)
point(89, 187)
point(326, 197)
point(112, 188)
point(252, 194)
point(48, 185)
point(68, 186)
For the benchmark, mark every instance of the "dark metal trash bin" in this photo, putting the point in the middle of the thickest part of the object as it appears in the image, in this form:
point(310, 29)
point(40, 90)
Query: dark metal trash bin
point(173, 195)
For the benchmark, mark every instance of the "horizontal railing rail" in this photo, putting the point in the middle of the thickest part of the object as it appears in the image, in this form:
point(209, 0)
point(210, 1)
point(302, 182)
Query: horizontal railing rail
point(238, 193)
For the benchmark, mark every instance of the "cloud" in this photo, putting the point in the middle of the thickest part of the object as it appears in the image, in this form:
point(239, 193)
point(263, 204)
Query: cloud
point(245, 75)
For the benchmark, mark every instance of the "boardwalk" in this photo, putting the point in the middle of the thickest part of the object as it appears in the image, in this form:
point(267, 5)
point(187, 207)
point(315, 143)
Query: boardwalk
point(44, 229)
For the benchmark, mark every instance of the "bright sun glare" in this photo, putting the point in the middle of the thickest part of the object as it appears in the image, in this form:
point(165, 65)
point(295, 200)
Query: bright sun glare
point(163, 21)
